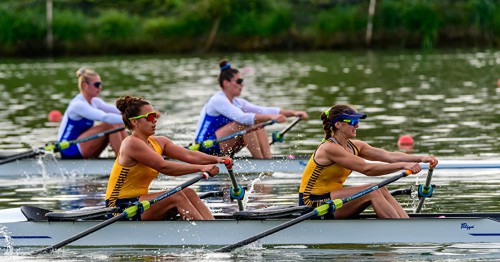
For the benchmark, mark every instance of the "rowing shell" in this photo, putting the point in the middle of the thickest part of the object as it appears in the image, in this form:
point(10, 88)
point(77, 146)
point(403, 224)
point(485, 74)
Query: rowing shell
point(420, 228)
point(290, 165)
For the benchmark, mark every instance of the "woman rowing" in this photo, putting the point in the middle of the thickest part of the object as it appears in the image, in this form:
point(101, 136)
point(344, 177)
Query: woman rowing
point(141, 159)
point(226, 113)
point(79, 117)
point(339, 155)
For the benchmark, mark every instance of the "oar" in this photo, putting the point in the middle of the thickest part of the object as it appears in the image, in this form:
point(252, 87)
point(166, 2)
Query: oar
point(56, 147)
point(280, 136)
point(237, 192)
point(59, 146)
point(328, 207)
point(127, 213)
point(425, 191)
point(211, 143)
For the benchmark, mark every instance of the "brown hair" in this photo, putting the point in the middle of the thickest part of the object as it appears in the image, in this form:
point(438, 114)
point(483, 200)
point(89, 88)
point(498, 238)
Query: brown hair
point(226, 72)
point(330, 114)
point(129, 107)
point(83, 74)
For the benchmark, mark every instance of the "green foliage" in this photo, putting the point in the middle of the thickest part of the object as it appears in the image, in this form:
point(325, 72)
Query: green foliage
point(23, 25)
point(263, 25)
point(175, 27)
point(135, 25)
point(342, 18)
point(389, 15)
point(114, 25)
point(420, 17)
point(484, 13)
point(69, 25)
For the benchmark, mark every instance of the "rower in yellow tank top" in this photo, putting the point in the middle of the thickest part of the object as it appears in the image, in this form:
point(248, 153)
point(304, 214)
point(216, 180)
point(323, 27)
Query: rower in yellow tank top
point(140, 160)
point(333, 161)
point(319, 180)
point(131, 182)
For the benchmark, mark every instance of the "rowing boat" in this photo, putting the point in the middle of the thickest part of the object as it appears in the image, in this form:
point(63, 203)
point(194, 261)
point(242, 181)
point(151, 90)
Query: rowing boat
point(49, 164)
point(31, 226)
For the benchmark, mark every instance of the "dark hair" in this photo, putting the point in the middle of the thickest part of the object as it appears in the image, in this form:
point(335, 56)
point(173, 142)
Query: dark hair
point(329, 115)
point(130, 107)
point(226, 72)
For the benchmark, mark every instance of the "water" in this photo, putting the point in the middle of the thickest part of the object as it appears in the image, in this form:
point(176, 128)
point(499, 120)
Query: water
point(447, 101)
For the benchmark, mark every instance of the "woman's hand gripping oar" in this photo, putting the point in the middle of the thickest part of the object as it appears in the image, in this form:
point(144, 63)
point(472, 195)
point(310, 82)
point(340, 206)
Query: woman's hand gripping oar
point(328, 207)
point(237, 192)
point(127, 213)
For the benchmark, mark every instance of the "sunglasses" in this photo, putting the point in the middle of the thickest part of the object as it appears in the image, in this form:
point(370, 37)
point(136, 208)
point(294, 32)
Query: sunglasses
point(351, 121)
point(96, 84)
point(239, 81)
point(150, 117)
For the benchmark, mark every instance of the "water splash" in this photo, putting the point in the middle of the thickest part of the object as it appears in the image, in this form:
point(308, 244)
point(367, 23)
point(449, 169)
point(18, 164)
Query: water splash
point(251, 189)
point(8, 240)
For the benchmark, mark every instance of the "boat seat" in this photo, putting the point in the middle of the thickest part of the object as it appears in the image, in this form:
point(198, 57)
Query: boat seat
point(273, 212)
point(97, 213)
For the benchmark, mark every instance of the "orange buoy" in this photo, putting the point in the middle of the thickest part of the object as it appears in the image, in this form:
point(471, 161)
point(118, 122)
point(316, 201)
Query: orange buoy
point(406, 143)
point(498, 83)
point(55, 116)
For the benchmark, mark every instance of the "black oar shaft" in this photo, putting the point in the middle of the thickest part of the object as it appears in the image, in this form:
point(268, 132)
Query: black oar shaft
point(124, 214)
point(273, 230)
point(56, 146)
point(19, 156)
point(236, 189)
point(427, 187)
point(319, 211)
point(79, 235)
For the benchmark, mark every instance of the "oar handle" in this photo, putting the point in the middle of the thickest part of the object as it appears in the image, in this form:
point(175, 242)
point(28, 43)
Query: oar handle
point(425, 191)
point(279, 136)
point(237, 192)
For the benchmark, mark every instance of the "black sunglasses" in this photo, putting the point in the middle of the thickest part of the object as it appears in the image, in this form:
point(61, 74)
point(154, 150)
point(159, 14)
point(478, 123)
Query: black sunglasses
point(239, 81)
point(96, 84)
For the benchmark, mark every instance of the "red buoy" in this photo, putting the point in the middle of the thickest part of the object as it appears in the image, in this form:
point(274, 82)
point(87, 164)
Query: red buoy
point(55, 116)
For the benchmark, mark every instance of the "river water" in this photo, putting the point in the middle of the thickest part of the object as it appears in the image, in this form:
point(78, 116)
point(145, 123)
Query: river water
point(447, 101)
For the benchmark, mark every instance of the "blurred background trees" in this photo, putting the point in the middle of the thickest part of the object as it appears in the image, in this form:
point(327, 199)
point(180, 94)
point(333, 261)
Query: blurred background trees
point(82, 27)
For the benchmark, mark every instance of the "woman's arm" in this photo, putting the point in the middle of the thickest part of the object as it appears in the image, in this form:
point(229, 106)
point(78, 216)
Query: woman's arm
point(377, 154)
point(302, 114)
point(85, 110)
point(175, 151)
point(329, 153)
point(134, 150)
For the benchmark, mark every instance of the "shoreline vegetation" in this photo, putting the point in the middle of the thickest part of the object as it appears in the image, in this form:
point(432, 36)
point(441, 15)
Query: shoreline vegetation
point(92, 27)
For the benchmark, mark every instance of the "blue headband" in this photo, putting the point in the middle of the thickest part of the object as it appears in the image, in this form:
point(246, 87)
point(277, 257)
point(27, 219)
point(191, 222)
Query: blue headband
point(224, 67)
point(345, 115)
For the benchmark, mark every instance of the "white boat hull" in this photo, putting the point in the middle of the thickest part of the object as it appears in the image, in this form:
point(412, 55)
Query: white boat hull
point(101, 167)
point(229, 231)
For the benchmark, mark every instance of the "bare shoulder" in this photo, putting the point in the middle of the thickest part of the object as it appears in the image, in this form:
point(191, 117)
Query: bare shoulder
point(162, 140)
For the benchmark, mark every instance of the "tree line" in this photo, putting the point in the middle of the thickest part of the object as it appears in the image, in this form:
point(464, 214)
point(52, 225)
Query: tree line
point(93, 27)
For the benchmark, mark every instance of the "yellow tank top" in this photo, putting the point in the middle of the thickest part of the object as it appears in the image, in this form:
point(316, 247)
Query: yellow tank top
point(319, 180)
point(130, 182)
